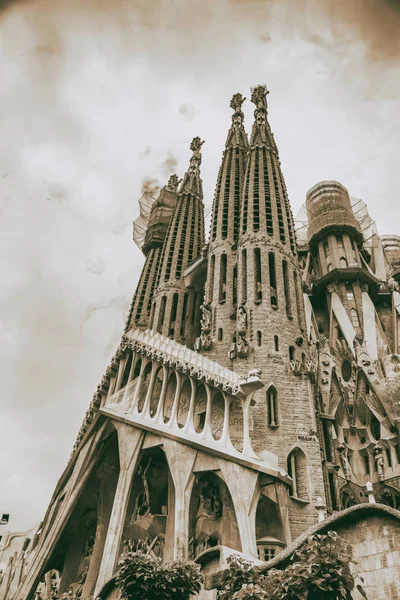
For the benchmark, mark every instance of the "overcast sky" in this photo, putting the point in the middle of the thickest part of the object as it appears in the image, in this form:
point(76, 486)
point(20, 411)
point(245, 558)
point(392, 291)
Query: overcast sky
point(99, 98)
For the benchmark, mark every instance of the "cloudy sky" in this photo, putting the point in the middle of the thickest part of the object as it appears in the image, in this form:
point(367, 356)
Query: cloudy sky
point(99, 98)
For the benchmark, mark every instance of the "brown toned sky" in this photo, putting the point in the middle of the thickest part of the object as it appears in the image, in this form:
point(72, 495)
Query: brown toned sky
point(97, 98)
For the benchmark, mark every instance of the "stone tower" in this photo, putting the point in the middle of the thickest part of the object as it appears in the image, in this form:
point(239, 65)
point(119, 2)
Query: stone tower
point(221, 297)
point(256, 374)
point(352, 305)
point(175, 308)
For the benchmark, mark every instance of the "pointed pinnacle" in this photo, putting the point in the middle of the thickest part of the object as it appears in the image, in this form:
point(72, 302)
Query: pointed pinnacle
point(236, 102)
point(259, 96)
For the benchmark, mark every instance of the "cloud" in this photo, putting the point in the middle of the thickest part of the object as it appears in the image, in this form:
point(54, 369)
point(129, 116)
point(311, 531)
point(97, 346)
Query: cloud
point(100, 101)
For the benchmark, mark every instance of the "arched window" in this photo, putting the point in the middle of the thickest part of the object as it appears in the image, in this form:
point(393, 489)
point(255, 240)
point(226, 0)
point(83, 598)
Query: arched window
point(272, 279)
point(272, 407)
point(127, 370)
point(375, 427)
point(161, 314)
point(184, 314)
point(222, 279)
point(174, 308)
point(343, 262)
point(276, 343)
point(297, 470)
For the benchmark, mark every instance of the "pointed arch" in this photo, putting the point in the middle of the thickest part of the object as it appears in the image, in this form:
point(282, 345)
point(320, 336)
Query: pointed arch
point(297, 470)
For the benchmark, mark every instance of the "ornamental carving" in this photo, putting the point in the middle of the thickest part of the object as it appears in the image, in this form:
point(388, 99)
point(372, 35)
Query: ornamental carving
point(203, 342)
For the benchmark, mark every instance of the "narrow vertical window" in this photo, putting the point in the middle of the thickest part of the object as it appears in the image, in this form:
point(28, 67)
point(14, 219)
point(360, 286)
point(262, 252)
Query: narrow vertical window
point(256, 192)
point(220, 334)
point(174, 308)
point(184, 314)
point(388, 457)
point(276, 343)
point(194, 308)
point(354, 318)
point(257, 274)
point(211, 279)
point(234, 284)
point(272, 406)
point(291, 352)
point(286, 289)
point(161, 314)
point(272, 279)
point(222, 279)
point(298, 296)
point(151, 320)
point(259, 338)
point(244, 275)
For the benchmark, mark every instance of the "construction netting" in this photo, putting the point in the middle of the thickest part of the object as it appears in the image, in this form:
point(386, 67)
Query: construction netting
point(360, 211)
point(153, 210)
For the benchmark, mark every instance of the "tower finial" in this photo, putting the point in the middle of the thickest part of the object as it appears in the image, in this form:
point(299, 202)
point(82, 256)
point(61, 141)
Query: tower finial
point(173, 183)
point(259, 96)
point(236, 103)
point(191, 181)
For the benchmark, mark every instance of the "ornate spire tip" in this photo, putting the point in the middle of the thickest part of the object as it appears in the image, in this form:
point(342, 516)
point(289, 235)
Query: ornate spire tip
point(259, 96)
point(236, 102)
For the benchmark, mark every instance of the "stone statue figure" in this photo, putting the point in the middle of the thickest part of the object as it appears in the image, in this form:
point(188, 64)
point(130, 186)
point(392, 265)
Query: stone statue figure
point(205, 318)
point(203, 342)
point(241, 320)
point(380, 466)
point(343, 453)
point(242, 346)
point(142, 504)
point(210, 504)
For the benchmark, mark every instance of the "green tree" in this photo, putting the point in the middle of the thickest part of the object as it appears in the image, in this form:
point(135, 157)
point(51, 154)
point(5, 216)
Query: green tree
point(144, 577)
point(319, 570)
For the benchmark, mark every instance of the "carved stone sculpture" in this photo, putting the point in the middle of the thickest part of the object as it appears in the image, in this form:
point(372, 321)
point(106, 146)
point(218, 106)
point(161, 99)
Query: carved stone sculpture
point(203, 342)
point(343, 453)
point(380, 467)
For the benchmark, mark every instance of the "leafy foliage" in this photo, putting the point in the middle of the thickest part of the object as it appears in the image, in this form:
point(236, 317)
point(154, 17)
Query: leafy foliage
point(144, 577)
point(319, 570)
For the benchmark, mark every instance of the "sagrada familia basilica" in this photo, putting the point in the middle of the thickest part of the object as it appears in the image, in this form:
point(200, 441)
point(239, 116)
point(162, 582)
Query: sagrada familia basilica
point(254, 397)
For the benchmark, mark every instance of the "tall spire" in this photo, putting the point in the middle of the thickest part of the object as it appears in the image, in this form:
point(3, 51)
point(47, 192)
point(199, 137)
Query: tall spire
point(221, 286)
point(156, 228)
point(265, 204)
point(183, 244)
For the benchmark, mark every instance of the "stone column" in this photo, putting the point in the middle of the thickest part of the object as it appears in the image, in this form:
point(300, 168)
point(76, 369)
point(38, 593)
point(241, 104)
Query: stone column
point(242, 483)
point(106, 493)
point(181, 460)
point(130, 442)
point(73, 556)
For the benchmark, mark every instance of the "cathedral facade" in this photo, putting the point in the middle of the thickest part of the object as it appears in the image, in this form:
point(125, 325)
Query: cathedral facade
point(256, 388)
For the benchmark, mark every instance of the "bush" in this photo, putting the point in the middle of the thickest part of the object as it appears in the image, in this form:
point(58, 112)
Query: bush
point(319, 570)
point(143, 577)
